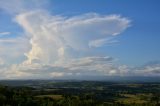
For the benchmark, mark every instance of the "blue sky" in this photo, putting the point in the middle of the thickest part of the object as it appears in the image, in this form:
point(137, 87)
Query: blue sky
point(25, 25)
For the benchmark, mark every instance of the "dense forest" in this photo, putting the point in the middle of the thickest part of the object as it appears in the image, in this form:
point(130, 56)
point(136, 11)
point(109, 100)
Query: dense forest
point(79, 93)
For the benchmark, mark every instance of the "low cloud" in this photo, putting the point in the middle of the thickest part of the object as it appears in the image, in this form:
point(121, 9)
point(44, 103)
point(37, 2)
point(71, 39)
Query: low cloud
point(80, 68)
point(86, 66)
point(150, 69)
point(1, 62)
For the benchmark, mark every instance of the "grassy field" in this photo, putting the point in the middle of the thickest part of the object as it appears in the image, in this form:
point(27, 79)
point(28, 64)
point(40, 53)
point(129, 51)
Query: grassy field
point(131, 98)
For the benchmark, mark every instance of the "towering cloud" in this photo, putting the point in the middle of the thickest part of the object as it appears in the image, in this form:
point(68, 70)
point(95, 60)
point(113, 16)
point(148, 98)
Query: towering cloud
point(60, 46)
point(55, 37)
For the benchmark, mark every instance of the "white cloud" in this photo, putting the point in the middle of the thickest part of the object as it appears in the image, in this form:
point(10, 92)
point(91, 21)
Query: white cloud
point(52, 37)
point(4, 33)
point(79, 68)
point(1, 62)
point(148, 70)
point(12, 49)
point(19, 6)
point(87, 66)
point(53, 44)
point(101, 42)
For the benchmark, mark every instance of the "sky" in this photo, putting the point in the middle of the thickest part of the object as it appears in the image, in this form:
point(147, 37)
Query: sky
point(45, 39)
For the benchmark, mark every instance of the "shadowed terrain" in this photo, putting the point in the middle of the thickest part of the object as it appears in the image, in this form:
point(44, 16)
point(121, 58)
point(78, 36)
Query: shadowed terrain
point(78, 93)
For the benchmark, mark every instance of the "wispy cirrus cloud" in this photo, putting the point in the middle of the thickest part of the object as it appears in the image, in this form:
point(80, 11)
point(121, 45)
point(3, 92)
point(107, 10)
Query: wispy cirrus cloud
point(19, 6)
point(4, 33)
point(102, 42)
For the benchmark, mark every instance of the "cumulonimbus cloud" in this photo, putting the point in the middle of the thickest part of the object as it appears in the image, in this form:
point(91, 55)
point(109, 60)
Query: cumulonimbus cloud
point(54, 40)
point(52, 36)
point(52, 45)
